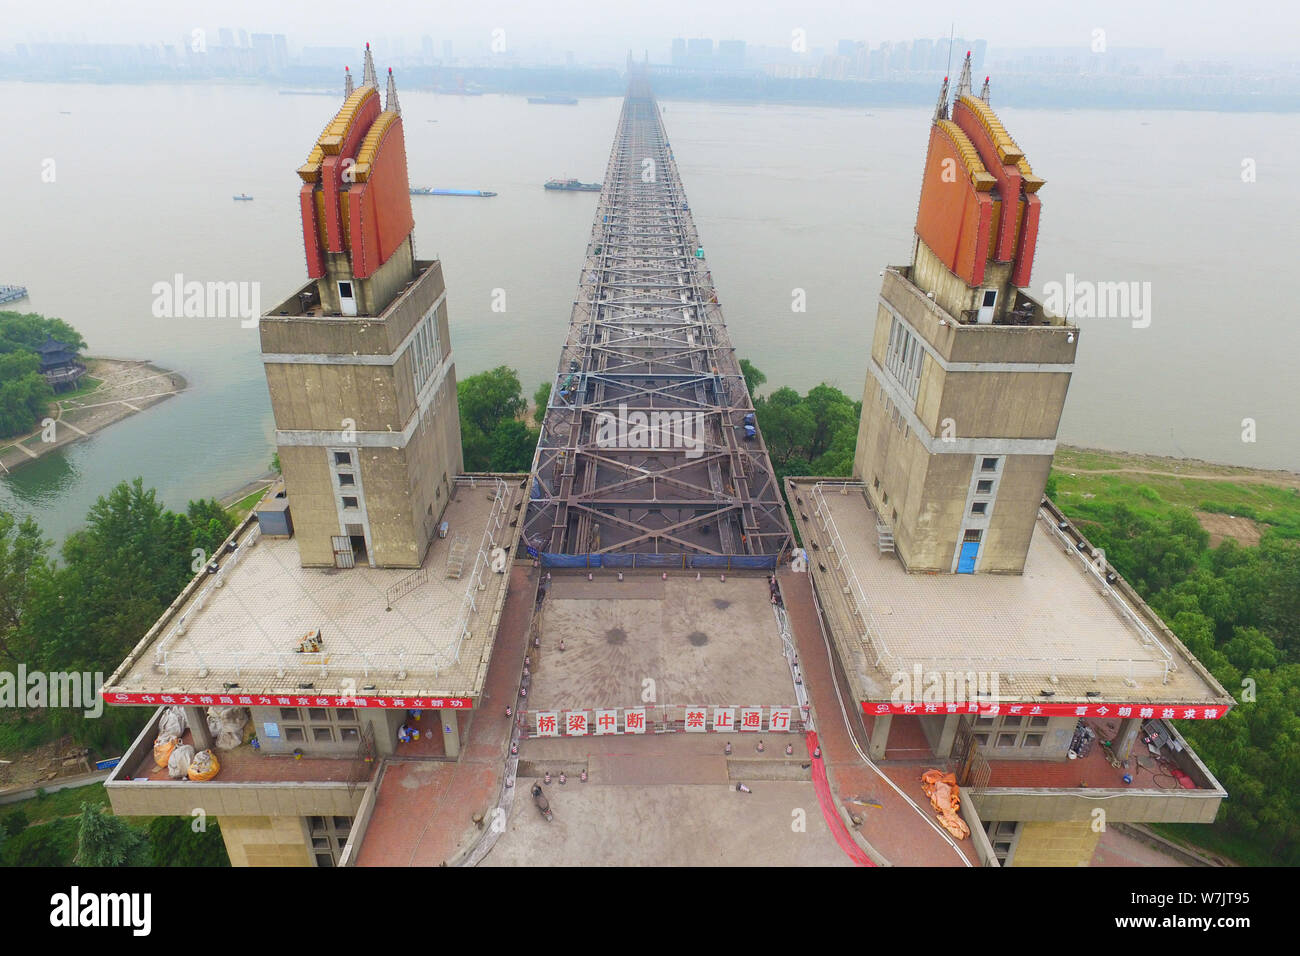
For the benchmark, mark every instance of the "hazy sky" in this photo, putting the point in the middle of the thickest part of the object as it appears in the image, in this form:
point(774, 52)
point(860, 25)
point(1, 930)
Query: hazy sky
point(1205, 27)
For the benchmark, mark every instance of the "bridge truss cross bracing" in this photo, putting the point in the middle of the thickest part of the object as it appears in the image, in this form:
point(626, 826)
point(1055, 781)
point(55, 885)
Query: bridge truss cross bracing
point(644, 448)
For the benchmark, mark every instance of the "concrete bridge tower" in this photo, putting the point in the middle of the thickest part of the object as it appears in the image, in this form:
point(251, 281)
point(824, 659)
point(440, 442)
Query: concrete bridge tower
point(358, 361)
point(968, 374)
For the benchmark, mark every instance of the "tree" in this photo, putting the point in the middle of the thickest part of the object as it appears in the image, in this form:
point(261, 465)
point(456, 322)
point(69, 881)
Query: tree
point(512, 446)
point(119, 572)
point(541, 398)
point(210, 524)
point(105, 840)
point(24, 394)
point(490, 397)
point(832, 411)
point(174, 843)
point(27, 330)
point(23, 562)
point(753, 377)
point(786, 423)
point(45, 845)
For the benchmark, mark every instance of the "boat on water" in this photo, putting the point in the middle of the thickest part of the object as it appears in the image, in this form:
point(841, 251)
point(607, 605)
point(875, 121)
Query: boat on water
point(12, 293)
point(243, 197)
point(426, 191)
point(572, 185)
point(553, 100)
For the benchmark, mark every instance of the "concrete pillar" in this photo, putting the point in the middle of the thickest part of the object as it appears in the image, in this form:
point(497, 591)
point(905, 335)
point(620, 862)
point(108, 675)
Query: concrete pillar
point(947, 735)
point(381, 730)
point(880, 736)
point(1129, 729)
point(197, 718)
point(450, 733)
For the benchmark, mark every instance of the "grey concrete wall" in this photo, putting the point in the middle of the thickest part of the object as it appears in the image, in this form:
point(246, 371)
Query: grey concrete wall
point(1121, 806)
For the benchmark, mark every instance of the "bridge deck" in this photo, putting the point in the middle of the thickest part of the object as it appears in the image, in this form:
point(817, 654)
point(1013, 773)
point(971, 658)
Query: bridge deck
point(643, 448)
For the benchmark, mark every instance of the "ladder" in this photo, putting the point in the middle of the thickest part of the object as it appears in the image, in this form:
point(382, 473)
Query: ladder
point(456, 555)
point(884, 537)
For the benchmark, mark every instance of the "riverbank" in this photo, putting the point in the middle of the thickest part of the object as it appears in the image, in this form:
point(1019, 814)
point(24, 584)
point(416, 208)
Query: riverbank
point(1229, 501)
point(125, 388)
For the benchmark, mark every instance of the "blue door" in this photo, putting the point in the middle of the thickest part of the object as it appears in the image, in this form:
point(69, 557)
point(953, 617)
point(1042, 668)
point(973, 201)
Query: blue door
point(966, 563)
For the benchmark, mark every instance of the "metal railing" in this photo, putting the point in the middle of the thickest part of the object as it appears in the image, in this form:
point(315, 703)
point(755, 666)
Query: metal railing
point(283, 662)
point(1072, 547)
point(857, 591)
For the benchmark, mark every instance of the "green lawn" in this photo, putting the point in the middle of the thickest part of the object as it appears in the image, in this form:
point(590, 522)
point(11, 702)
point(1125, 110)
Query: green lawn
point(1214, 839)
point(1155, 495)
point(87, 385)
point(243, 506)
point(64, 803)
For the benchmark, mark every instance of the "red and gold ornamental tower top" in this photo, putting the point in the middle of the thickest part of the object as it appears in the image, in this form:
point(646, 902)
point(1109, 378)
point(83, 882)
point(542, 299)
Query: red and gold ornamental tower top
point(994, 217)
point(356, 203)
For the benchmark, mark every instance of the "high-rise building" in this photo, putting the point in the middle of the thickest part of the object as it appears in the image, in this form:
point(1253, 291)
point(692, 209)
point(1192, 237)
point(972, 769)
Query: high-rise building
point(361, 599)
point(358, 361)
point(731, 55)
point(1007, 676)
point(956, 453)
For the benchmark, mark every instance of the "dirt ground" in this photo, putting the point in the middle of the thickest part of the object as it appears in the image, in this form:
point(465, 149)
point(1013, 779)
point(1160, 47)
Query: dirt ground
point(1242, 530)
point(35, 766)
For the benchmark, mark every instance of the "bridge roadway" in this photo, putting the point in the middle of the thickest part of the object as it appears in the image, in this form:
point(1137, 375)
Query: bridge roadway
point(643, 452)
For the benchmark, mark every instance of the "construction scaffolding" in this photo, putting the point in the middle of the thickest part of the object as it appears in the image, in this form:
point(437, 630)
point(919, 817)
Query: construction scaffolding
point(649, 453)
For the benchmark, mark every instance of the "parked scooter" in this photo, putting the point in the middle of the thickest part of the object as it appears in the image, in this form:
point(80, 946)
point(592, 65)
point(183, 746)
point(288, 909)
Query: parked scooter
point(543, 805)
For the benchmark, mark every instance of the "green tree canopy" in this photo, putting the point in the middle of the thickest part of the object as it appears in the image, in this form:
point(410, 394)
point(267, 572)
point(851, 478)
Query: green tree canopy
point(490, 397)
point(27, 330)
point(105, 840)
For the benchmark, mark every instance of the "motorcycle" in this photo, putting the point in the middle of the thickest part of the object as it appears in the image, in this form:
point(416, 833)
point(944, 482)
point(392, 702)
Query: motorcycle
point(543, 805)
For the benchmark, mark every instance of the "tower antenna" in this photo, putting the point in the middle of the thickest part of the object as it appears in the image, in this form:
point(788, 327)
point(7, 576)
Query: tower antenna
point(952, 31)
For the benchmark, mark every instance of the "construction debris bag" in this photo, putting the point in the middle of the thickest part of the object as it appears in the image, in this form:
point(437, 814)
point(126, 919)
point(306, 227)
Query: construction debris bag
point(162, 749)
point(227, 726)
point(204, 766)
point(173, 722)
point(178, 765)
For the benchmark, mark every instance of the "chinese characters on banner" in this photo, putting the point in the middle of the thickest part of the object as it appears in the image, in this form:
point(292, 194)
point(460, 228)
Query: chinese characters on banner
point(1165, 712)
point(606, 722)
point(696, 720)
point(291, 700)
point(575, 723)
point(634, 720)
point(724, 719)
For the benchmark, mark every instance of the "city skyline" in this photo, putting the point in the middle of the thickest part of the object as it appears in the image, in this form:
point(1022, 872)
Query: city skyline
point(1249, 29)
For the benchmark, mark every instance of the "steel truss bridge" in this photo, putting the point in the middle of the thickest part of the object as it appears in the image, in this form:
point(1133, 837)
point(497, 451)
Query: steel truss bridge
point(644, 458)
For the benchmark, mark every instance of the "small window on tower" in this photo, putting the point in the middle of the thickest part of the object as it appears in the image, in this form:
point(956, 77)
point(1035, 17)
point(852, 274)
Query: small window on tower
point(989, 464)
point(343, 458)
point(345, 289)
point(346, 479)
point(979, 508)
point(349, 502)
point(984, 486)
